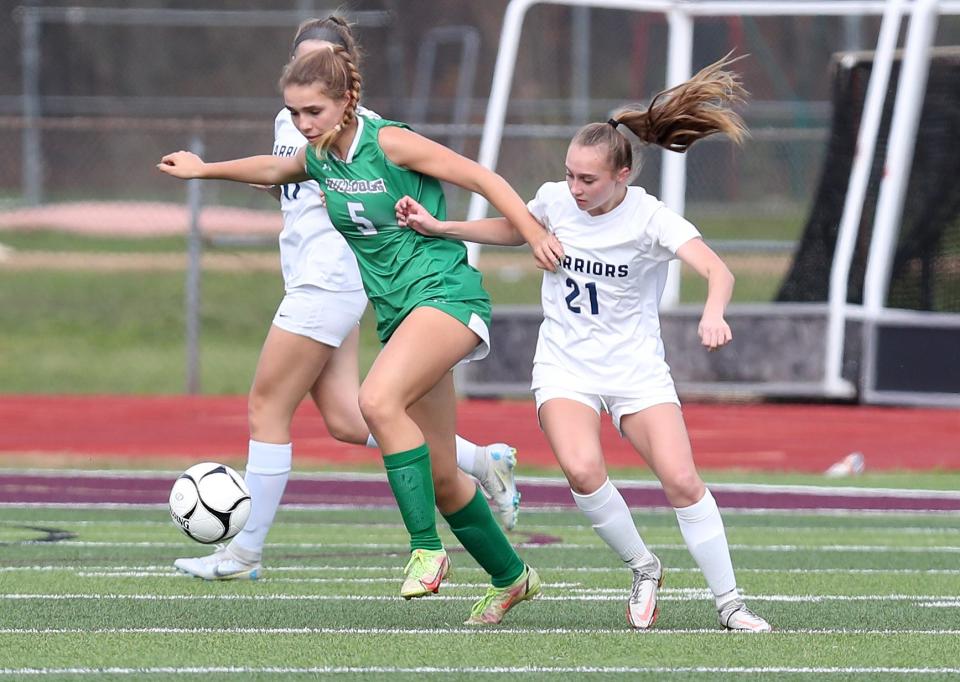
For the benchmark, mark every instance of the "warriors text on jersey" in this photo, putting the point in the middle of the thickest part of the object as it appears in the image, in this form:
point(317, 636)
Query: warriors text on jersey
point(601, 328)
point(401, 269)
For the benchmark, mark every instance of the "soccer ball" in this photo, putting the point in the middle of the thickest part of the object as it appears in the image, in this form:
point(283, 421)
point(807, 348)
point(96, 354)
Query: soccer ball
point(210, 502)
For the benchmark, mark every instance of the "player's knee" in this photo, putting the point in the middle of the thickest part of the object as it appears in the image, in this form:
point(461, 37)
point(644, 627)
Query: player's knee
point(268, 416)
point(345, 429)
point(257, 403)
point(684, 488)
point(585, 480)
point(377, 406)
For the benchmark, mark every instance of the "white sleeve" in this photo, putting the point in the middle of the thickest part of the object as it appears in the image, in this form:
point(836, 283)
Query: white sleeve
point(538, 206)
point(277, 125)
point(665, 233)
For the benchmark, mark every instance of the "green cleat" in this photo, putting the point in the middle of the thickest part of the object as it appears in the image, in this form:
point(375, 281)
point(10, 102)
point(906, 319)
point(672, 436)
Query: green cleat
point(424, 573)
point(498, 600)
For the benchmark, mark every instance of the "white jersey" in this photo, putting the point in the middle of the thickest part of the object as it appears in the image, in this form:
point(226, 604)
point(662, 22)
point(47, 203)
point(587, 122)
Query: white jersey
point(601, 327)
point(311, 250)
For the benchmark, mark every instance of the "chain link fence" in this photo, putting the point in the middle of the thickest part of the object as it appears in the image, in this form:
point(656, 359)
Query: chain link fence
point(91, 97)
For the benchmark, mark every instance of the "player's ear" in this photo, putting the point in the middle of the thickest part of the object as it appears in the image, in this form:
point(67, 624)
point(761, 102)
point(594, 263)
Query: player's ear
point(622, 174)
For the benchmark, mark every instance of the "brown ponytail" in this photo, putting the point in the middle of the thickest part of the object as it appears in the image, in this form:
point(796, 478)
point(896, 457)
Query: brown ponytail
point(335, 72)
point(676, 118)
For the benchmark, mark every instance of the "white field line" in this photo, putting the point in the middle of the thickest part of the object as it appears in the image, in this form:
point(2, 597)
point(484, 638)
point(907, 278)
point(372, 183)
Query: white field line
point(400, 549)
point(545, 481)
point(624, 631)
point(527, 528)
point(171, 574)
point(529, 509)
point(499, 670)
point(587, 596)
point(577, 590)
point(295, 581)
point(168, 570)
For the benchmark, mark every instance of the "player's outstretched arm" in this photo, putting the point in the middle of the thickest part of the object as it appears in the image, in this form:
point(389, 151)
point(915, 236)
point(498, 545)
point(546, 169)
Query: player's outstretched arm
point(406, 148)
point(259, 170)
point(497, 231)
point(713, 329)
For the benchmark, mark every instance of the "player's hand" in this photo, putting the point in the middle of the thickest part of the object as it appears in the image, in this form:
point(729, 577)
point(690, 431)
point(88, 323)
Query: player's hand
point(547, 251)
point(411, 214)
point(186, 165)
point(714, 332)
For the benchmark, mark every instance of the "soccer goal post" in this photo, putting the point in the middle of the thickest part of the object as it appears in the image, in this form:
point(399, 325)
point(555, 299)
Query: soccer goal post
point(821, 345)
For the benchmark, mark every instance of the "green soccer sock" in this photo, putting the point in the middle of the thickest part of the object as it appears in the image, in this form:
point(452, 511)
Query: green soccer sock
point(480, 535)
point(411, 480)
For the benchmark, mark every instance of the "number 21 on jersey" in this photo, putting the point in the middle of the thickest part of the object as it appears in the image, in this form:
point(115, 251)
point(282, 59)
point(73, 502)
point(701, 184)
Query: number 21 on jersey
point(574, 294)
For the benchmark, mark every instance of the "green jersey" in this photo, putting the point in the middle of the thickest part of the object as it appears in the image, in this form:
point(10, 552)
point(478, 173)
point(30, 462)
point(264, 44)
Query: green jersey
point(400, 268)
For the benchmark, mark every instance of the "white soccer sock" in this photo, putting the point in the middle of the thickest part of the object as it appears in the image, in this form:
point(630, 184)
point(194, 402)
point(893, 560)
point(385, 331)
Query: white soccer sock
point(610, 517)
point(470, 459)
point(467, 459)
point(702, 530)
point(268, 468)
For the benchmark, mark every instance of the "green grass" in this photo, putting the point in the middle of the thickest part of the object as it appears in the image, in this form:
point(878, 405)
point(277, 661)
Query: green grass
point(92, 332)
point(720, 224)
point(56, 241)
point(108, 598)
point(125, 332)
point(68, 331)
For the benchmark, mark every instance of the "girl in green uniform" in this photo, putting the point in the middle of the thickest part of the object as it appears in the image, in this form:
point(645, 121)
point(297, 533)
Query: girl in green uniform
point(432, 311)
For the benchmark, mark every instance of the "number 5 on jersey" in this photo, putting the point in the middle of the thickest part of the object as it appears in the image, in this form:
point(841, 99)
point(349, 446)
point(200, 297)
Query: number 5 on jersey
point(363, 224)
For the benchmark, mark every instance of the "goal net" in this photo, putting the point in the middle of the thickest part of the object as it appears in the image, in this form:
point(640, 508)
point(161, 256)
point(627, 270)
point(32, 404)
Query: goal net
point(925, 272)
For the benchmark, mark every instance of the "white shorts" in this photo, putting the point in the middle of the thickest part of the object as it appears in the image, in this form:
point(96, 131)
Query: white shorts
point(617, 406)
point(320, 314)
point(478, 327)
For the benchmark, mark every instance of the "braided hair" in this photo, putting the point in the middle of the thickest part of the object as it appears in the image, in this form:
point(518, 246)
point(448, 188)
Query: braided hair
point(337, 75)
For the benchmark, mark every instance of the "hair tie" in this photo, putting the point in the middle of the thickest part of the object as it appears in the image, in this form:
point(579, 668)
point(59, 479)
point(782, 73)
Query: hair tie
point(321, 33)
point(613, 122)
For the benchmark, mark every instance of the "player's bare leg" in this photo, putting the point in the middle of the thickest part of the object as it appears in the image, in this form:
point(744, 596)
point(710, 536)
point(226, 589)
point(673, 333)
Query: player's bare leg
point(288, 366)
point(573, 430)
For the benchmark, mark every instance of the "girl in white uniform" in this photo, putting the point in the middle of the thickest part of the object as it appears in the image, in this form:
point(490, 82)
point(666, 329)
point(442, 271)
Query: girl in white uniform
point(311, 347)
point(599, 344)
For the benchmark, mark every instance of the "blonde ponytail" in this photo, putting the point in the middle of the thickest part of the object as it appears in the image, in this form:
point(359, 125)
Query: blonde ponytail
point(675, 118)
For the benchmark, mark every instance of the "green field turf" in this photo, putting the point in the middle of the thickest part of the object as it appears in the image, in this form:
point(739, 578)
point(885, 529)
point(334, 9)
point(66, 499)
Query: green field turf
point(853, 596)
point(87, 331)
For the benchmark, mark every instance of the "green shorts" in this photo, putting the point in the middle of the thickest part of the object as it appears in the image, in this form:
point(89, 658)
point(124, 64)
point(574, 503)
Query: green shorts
point(474, 314)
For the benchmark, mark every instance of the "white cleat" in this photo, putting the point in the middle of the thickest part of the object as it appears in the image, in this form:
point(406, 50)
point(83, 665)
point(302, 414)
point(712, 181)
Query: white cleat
point(221, 565)
point(642, 607)
point(499, 485)
point(735, 616)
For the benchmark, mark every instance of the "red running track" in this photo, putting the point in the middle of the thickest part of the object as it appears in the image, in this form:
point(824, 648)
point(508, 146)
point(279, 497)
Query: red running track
point(806, 438)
